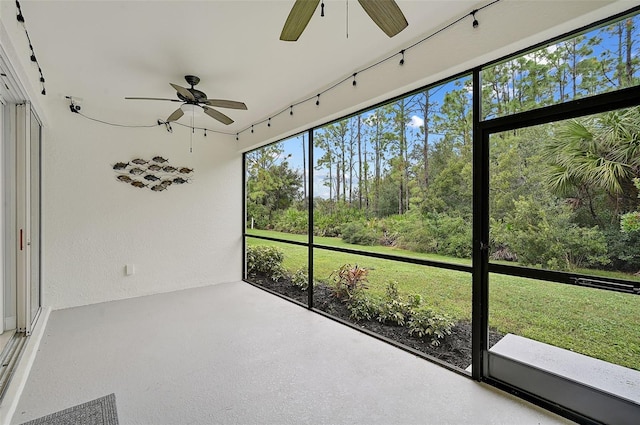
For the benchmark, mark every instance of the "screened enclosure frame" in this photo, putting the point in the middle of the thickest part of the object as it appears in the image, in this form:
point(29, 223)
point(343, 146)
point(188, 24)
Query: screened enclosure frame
point(481, 265)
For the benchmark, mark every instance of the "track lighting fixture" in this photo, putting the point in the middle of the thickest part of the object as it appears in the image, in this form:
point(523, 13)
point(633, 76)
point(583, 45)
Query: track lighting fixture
point(475, 21)
point(20, 18)
point(401, 62)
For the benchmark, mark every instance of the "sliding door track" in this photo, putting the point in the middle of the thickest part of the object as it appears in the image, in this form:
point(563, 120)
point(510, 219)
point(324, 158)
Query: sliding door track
point(9, 360)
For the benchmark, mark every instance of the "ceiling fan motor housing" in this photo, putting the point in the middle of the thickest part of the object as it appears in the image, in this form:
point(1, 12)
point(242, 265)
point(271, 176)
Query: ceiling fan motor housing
point(199, 96)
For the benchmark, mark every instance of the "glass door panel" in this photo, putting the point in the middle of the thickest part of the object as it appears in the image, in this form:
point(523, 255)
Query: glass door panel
point(564, 285)
point(35, 216)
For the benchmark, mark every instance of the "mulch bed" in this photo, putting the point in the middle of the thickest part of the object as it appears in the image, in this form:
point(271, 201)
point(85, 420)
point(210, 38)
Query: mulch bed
point(455, 349)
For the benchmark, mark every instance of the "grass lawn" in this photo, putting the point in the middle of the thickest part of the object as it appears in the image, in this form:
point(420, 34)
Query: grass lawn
point(597, 323)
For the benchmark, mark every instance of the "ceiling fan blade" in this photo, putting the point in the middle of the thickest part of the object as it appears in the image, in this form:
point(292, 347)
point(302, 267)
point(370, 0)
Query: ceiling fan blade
point(184, 92)
point(386, 14)
point(298, 18)
point(176, 115)
point(217, 115)
point(151, 98)
point(230, 104)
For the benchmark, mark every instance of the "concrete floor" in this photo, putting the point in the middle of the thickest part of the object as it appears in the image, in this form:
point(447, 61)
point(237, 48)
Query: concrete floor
point(234, 354)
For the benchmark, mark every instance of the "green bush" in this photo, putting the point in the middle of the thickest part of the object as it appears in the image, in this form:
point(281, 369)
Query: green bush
point(300, 279)
point(394, 309)
point(359, 233)
point(329, 217)
point(435, 233)
point(426, 323)
point(266, 261)
point(292, 220)
point(545, 236)
point(630, 222)
point(623, 250)
point(363, 307)
point(397, 310)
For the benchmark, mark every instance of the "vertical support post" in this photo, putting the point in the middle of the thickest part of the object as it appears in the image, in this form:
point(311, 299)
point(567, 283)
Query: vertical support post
point(310, 221)
point(480, 251)
point(244, 215)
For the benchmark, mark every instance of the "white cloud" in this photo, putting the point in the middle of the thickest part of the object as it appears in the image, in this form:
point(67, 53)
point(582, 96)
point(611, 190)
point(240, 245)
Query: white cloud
point(416, 121)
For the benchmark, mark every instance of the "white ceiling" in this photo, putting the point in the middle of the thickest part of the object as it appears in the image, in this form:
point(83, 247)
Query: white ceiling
point(102, 51)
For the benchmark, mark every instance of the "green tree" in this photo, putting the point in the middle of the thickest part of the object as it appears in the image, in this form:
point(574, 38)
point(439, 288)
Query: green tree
point(597, 154)
point(272, 186)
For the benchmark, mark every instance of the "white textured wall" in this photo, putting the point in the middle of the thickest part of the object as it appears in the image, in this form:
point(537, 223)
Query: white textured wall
point(186, 236)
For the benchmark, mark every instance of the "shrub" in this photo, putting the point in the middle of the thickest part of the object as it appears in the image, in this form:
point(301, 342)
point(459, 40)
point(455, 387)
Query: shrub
point(300, 279)
point(623, 250)
point(329, 217)
point(545, 236)
point(435, 233)
point(292, 220)
point(363, 307)
point(630, 222)
point(348, 280)
point(359, 233)
point(266, 261)
point(426, 323)
point(394, 310)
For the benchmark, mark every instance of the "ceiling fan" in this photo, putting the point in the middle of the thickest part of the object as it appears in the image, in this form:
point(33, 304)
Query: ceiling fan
point(192, 98)
point(385, 13)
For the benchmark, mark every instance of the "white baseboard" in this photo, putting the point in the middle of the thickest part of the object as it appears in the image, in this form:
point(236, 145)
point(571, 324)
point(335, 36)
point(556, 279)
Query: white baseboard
point(10, 323)
point(19, 379)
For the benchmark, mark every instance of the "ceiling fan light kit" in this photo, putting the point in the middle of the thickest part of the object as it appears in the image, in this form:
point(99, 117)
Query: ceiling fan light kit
point(195, 100)
point(191, 109)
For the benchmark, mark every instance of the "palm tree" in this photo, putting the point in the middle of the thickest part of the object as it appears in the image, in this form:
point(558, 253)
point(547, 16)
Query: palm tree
point(597, 154)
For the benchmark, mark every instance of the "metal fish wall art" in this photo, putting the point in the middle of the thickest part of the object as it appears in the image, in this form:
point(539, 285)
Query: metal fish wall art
point(120, 165)
point(136, 171)
point(157, 174)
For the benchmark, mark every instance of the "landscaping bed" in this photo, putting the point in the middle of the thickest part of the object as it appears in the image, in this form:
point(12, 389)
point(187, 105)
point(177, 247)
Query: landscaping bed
point(454, 348)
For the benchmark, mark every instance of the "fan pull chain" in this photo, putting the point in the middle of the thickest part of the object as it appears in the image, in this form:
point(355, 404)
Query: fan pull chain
point(193, 129)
